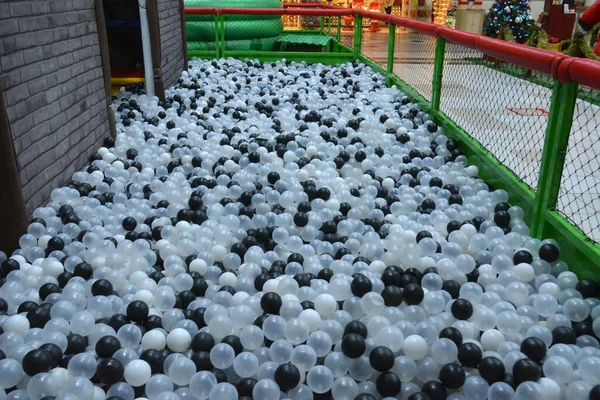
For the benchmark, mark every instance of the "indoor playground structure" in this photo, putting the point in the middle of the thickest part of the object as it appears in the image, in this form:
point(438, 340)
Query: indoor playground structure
point(320, 213)
point(244, 32)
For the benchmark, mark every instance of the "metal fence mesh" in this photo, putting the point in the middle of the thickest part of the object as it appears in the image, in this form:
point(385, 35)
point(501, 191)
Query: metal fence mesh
point(347, 35)
point(375, 44)
point(502, 106)
point(579, 195)
point(252, 32)
point(413, 60)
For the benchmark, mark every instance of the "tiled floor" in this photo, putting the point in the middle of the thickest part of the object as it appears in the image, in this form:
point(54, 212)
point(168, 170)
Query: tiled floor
point(478, 98)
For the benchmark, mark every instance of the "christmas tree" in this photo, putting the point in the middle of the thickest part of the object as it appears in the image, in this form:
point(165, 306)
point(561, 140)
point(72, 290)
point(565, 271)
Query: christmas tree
point(514, 14)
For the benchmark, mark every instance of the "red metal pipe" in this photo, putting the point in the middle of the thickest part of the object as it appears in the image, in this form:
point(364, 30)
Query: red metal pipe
point(417, 26)
point(585, 72)
point(201, 10)
point(558, 66)
point(458, 37)
point(287, 11)
point(525, 56)
point(373, 15)
point(302, 5)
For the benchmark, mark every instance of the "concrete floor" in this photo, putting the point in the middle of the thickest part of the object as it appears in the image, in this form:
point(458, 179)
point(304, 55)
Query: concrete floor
point(506, 114)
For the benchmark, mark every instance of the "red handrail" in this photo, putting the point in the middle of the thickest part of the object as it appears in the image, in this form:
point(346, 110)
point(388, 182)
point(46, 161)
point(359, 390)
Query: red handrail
point(558, 66)
point(338, 12)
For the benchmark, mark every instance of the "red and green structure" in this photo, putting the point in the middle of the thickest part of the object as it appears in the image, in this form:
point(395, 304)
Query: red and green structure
point(567, 73)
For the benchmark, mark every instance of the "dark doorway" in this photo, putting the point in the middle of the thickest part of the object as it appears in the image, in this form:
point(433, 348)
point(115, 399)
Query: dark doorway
point(124, 41)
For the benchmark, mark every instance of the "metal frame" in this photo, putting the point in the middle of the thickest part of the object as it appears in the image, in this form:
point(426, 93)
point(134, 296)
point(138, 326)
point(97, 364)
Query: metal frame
point(582, 255)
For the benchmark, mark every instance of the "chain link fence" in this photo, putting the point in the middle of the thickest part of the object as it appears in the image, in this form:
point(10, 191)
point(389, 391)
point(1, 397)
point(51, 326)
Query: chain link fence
point(374, 44)
point(252, 32)
point(413, 60)
point(579, 195)
point(502, 106)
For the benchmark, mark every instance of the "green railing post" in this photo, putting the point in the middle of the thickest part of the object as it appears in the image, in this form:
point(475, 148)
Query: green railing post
point(217, 37)
point(223, 36)
point(438, 72)
point(338, 35)
point(357, 36)
point(562, 107)
point(329, 26)
point(390, 55)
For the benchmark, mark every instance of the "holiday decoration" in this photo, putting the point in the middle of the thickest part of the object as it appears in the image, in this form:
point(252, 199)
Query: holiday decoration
point(538, 38)
point(514, 14)
point(581, 44)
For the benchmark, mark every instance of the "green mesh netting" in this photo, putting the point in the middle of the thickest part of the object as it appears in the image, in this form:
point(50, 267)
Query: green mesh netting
point(242, 32)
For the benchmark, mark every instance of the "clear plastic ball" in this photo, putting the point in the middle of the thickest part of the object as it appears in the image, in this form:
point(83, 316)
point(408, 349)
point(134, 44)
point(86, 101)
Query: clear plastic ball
point(319, 379)
point(245, 364)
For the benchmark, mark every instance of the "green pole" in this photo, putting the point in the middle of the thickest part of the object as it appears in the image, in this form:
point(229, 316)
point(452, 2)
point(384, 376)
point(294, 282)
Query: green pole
point(357, 36)
point(438, 72)
point(223, 36)
point(322, 24)
point(217, 37)
point(562, 107)
point(338, 35)
point(390, 55)
point(329, 26)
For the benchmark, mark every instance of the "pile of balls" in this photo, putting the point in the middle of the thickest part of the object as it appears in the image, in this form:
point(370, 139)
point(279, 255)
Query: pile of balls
point(288, 231)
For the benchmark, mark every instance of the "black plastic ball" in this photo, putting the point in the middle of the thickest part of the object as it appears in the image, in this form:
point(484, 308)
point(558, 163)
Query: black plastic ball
point(54, 351)
point(388, 384)
point(435, 390)
point(37, 361)
point(271, 303)
point(137, 311)
point(361, 285)
point(492, 369)
point(202, 341)
point(563, 334)
point(109, 371)
point(47, 289)
point(106, 346)
point(534, 348)
point(522, 256)
point(549, 252)
point(102, 287)
point(381, 358)
point(526, 370)
point(287, 376)
point(469, 354)
point(462, 309)
point(594, 393)
point(419, 396)
point(502, 219)
point(245, 386)
point(392, 296)
point(365, 396)
point(413, 294)
point(353, 345)
point(356, 327)
point(588, 288)
point(452, 376)
point(76, 344)
point(452, 334)
point(129, 223)
point(452, 287)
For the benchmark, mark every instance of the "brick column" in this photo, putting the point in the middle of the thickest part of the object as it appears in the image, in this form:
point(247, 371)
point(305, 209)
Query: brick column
point(51, 72)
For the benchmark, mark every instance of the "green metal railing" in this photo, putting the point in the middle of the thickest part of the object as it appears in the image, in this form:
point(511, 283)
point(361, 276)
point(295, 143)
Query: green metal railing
point(538, 199)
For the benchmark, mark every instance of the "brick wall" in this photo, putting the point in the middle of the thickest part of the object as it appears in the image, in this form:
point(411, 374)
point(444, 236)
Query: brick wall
point(51, 73)
point(171, 40)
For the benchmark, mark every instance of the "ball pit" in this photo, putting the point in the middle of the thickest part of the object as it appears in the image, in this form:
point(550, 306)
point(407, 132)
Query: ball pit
point(294, 231)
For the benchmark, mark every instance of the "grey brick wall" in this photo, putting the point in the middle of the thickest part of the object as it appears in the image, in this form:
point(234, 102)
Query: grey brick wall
point(171, 43)
point(51, 73)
